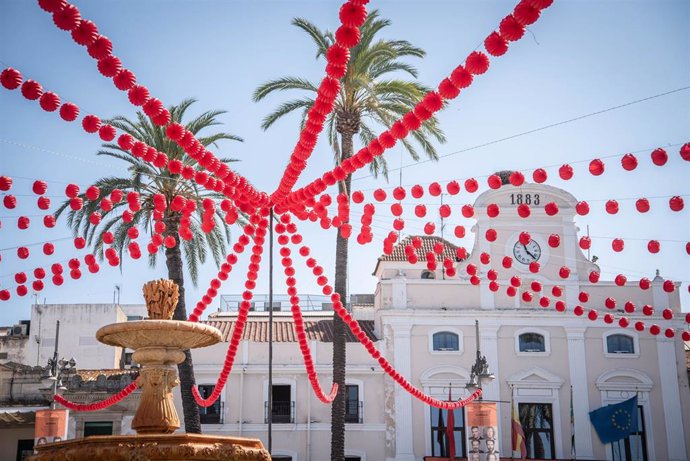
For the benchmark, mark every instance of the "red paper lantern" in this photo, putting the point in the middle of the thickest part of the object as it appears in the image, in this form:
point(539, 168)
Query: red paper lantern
point(582, 208)
point(471, 185)
point(667, 314)
point(629, 307)
point(32, 90)
point(461, 77)
point(669, 286)
point(551, 208)
point(583, 297)
point(511, 291)
point(585, 243)
point(629, 162)
point(653, 246)
point(495, 44)
point(642, 205)
point(536, 286)
point(10, 78)
point(594, 276)
point(621, 280)
point(596, 167)
point(540, 4)
point(459, 231)
point(525, 13)
point(610, 303)
point(544, 301)
point(612, 207)
point(554, 240)
point(48, 248)
point(527, 296)
point(492, 210)
point(69, 112)
point(453, 187)
point(491, 235)
point(477, 63)
point(49, 221)
point(507, 262)
point(79, 243)
point(91, 123)
point(435, 189)
point(654, 329)
point(5, 183)
point(494, 181)
point(23, 252)
point(592, 315)
point(10, 201)
point(420, 211)
point(352, 14)
point(617, 245)
point(511, 29)
point(517, 179)
point(49, 101)
point(467, 211)
point(659, 157)
point(557, 291)
point(523, 210)
point(676, 203)
point(524, 237)
point(539, 175)
point(447, 90)
point(67, 18)
point(85, 33)
point(485, 258)
point(23, 222)
point(444, 211)
point(357, 196)
point(645, 283)
point(107, 133)
point(380, 195)
point(92, 193)
point(429, 228)
point(515, 281)
point(578, 310)
point(76, 203)
point(534, 267)
point(685, 152)
point(565, 172)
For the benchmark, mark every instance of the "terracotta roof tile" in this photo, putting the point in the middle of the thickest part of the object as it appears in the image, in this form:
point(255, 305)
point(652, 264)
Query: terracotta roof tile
point(317, 329)
point(428, 242)
point(92, 375)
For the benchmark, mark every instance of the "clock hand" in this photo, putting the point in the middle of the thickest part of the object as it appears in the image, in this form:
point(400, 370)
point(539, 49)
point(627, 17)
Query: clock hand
point(528, 252)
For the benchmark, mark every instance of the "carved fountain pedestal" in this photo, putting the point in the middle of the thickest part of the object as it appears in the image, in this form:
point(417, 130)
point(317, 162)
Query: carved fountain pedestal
point(158, 345)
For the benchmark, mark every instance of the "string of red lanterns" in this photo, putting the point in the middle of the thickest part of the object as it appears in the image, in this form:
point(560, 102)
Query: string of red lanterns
point(100, 405)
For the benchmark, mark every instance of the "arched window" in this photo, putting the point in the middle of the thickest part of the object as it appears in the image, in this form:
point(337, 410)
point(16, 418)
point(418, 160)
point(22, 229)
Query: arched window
point(427, 275)
point(532, 342)
point(446, 341)
point(620, 344)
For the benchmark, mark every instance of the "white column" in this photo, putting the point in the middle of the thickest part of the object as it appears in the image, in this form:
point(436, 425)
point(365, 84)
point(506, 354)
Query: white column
point(578, 379)
point(488, 339)
point(399, 292)
point(404, 447)
point(670, 395)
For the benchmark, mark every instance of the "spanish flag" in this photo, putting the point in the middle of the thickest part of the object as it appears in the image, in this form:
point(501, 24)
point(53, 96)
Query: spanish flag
point(518, 436)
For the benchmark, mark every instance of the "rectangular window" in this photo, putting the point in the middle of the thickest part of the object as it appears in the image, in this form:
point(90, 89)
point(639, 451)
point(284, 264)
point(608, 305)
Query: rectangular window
point(353, 407)
point(633, 447)
point(134, 318)
point(282, 410)
point(214, 413)
point(25, 448)
point(98, 428)
point(537, 424)
point(439, 433)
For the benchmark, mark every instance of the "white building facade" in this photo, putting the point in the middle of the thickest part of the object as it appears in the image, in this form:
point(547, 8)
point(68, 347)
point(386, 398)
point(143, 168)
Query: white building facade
point(424, 323)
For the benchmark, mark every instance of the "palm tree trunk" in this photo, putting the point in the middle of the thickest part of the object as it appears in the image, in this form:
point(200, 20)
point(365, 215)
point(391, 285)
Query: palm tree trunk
point(173, 260)
point(339, 351)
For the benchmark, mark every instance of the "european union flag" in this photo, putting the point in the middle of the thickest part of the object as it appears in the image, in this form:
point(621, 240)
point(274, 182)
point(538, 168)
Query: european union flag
point(615, 422)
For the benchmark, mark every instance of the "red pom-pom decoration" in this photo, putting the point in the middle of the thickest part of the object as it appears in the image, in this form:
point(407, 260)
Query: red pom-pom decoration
point(10, 78)
point(107, 133)
point(85, 33)
point(511, 29)
point(32, 90)
point(495, 44)
point(124, 80)
point(100, 48)
point(51, 6)
point(49, 101)
point(352, 14)
point(477, 63)
point(109, 66)
point(447, 89)
point(347, 36)
point(138, 95)
point(659, 157)
point(69, 112)
point(91, 123)
point(67, 18)
point(525, 13)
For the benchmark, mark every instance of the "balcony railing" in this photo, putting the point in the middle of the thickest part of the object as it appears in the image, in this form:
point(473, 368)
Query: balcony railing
point(283, 412)
point(212, 414)
point(353, 412)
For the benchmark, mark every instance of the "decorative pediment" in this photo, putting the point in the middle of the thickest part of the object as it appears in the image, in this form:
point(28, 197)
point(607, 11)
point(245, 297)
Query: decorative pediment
point(536, 377)
point(443, 374)
point(624, 379)
point(539, 195)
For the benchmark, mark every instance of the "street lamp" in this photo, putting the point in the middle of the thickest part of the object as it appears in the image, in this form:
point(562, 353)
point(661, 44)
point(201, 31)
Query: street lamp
point(57, 368)
point(480, 375)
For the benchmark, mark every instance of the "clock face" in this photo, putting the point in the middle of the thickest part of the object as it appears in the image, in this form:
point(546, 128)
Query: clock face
point(527, 253)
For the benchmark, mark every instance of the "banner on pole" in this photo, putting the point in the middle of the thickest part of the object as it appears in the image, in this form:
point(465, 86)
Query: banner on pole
point(482, 438)
point(51, 426)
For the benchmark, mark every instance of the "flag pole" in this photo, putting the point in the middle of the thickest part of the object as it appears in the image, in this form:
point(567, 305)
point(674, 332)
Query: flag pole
point(512, 442)
point(573, 449)
point(638, 436)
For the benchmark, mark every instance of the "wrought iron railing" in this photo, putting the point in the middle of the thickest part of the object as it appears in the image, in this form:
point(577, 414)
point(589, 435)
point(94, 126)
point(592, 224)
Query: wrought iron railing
point(283, 412)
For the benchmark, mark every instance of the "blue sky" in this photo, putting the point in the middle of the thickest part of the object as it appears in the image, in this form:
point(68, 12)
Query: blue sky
point(580, 57)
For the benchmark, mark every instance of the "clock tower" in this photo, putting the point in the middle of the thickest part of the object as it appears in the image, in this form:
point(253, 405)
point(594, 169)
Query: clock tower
point(536, 236)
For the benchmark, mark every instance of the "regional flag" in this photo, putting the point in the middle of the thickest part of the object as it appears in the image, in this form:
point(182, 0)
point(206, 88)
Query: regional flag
point(615, 422)
point(450, 432)
point(518, 435)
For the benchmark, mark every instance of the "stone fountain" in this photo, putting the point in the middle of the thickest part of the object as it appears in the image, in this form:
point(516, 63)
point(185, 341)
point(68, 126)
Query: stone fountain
point(158, 344)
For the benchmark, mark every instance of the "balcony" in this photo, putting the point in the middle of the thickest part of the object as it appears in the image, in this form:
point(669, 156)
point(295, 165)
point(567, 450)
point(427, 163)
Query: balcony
point(283, 412)
point(353, 412)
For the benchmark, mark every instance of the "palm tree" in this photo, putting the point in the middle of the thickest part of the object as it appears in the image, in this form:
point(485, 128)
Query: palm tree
point(148, 180)
point(372, 96)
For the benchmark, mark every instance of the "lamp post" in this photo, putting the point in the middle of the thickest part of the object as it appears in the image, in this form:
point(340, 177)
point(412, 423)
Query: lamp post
point(58, 367)
point(480, 374)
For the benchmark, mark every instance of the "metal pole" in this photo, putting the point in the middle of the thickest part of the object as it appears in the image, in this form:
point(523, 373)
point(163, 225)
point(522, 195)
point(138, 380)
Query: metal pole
point(55, 369)
point(270, 332)
point(476, 330)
